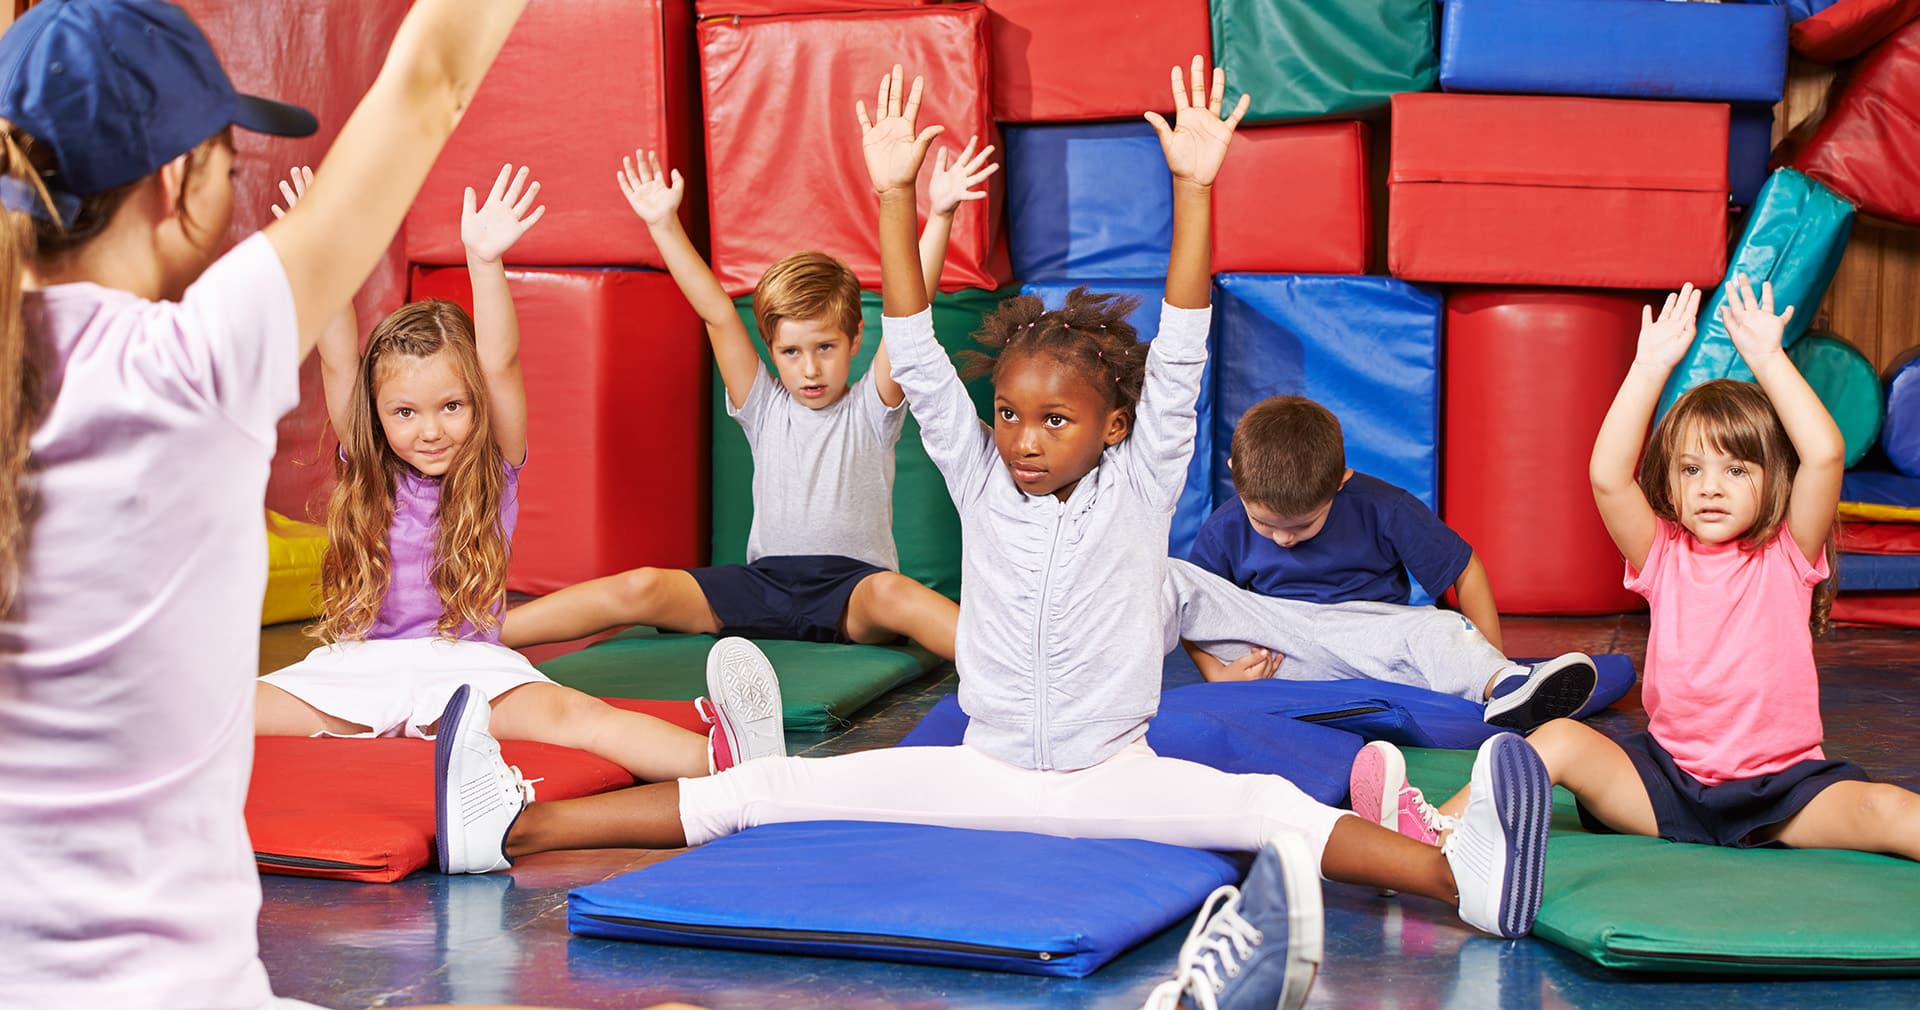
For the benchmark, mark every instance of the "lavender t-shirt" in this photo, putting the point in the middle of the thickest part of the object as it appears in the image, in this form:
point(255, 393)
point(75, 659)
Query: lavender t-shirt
point(127, 664)
point(412, 607)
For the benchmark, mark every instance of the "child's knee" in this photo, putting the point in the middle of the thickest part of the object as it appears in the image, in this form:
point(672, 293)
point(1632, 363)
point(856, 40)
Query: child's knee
point(888, 593)
point(1888, 804)
point(640, 588)
point(1558, 739)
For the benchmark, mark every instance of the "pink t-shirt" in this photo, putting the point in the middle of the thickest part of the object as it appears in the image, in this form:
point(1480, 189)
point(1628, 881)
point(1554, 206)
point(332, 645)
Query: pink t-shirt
point(1730, 686)
point(127, 665)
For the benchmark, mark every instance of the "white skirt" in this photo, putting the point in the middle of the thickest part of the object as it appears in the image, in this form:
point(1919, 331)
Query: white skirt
point(398, 686)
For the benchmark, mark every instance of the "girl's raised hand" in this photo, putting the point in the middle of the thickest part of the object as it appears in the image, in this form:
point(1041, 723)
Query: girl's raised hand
point(1664, 341)
point(292, 188)
point(893, 150)
point(1196, 144)
point(647, 189)
point(1755, 330)
point(952, 184)
point(492, 228)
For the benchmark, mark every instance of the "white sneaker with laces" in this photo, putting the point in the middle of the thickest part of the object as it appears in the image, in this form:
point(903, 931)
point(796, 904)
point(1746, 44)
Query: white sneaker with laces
point(1498, 849)
point(742, 705)
point(477, 795)
point(1257, 946)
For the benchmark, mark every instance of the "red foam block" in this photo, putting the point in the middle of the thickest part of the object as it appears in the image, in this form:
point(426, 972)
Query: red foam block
point(1293, 200)
point(1530, 375)
point(363, 809)
point(323, 57)
point(748, 8)
point(579, 84)
point(1849, 28)
point(784, 145)
point(1868, 145)
point(618, 428)
point(1587, 192)
point(1877, 610)
point(1052, 61)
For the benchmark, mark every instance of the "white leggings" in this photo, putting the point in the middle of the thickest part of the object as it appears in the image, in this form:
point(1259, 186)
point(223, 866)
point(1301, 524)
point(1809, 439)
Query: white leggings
point(1133, 794)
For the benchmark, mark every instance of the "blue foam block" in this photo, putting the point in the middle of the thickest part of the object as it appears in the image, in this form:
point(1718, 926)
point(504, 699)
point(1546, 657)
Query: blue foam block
point(1213, 730)
point(1879, 573)
point(1609, 49)
point(1795, 235)
point(1900, 431)
point(1088, 202)
point(1880, 487)
point(1196, 502)
point(999, 900)
point(1749, 147)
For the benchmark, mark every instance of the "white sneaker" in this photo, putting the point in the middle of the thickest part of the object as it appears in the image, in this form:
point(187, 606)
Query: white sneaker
point(477, 796)
point(1257, 946)
point(1498, 849)
point(1557, 688)
point(742, 704)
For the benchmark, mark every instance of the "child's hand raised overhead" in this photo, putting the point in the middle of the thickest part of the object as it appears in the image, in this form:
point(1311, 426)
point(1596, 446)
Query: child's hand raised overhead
point(893, 151)
point(1196, 144)
point(1664, 341)
point(952, 184)
point(647, 189)
point(1755, 330)
point(491, 229)
point(292, 188)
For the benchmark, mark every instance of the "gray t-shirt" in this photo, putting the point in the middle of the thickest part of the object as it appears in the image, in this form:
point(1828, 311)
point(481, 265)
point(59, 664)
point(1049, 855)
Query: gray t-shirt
point(822, 479)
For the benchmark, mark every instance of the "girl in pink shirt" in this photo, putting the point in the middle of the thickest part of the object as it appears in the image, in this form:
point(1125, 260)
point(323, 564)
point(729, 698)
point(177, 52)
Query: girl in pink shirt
point(1728, 532)
point(432, 421)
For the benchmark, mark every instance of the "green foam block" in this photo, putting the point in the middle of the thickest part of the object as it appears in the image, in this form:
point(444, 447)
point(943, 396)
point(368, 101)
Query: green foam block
point(1304, 59)
point(821, 685)
point(1643, 904)
point(1847, 385)
point(926, 529)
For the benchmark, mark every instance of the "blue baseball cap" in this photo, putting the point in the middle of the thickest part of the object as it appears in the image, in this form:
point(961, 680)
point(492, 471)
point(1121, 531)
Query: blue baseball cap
point(117, 88)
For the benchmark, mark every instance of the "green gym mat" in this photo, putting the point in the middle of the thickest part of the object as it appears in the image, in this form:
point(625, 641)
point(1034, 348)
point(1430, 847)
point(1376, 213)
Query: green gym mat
point(1642, 904)
point(1303, 59)
point(925, 527)
point(1848, 386)
point(821, 685)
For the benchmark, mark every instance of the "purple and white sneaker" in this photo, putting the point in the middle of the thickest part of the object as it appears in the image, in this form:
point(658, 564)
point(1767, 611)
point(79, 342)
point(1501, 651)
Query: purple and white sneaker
point(1498, 849)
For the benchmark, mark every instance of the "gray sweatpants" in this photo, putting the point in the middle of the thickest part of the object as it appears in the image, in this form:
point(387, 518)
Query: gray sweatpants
point(1422, 646)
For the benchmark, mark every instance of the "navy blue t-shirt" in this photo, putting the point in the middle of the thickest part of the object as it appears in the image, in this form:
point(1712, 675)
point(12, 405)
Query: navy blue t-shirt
point(1375, 534)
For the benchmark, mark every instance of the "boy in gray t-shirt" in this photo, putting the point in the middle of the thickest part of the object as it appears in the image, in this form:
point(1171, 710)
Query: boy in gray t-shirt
point(820, 556)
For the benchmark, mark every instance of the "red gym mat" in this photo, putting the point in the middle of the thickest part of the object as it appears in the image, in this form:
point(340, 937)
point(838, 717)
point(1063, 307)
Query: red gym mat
point(363, 809)
point(1877, 610)
point(578, 85)
point(784, 145)
point(1053, 62)
point(1293, 200)
point(1868, 145)
point(618, 428)
point(1849, 28)
point(1880, 538)
point(1529, 376)
point(1588, 192)
point(723, 8)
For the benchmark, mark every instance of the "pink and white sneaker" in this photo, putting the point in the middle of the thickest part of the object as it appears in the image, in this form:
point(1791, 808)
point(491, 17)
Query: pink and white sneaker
point(1381, 794)
point(742, 705)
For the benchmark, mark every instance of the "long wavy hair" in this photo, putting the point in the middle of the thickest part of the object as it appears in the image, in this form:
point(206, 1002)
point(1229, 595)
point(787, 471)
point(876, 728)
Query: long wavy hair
point(1736, 418)
point(470, 548)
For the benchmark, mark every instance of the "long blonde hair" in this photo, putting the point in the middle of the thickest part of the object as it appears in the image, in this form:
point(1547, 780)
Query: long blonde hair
point(470, 548)
point(1736, 418)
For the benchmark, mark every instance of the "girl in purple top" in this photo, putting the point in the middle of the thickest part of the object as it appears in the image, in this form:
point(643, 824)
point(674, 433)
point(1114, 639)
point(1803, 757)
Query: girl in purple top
point(432, 421)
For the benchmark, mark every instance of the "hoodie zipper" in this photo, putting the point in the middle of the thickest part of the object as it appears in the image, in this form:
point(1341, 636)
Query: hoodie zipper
point(1042, 744)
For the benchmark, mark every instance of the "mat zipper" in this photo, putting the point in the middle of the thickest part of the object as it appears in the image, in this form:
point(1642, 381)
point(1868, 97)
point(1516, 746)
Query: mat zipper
point(817, 936)
point(1737, 959)
point(1341, 714)
point(310, 863)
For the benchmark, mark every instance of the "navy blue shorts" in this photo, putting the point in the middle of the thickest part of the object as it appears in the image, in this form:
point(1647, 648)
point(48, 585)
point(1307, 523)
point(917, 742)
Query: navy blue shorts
point(1732, 813)
point(797, 597)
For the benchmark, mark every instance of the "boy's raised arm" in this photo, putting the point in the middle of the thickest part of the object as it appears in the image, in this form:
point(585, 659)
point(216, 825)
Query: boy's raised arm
point(655, 196)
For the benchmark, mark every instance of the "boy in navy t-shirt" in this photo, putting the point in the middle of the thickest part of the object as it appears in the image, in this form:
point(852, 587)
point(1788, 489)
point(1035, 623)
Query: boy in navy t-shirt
point(1306, 528)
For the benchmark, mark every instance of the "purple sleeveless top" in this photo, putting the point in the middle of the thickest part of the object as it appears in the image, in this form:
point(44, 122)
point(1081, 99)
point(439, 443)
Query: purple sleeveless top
point(412, 608)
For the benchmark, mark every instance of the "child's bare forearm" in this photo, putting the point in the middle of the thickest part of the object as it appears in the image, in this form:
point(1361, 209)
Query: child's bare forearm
point(903, 289)
point(1190, 264)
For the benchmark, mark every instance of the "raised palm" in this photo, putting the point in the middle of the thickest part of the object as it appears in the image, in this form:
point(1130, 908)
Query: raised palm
point(1755, 330)
point(1196, 144)
point(952, 184)
point(491, 228)
point(647, 189)
point(1664, 341)
point(892, 149)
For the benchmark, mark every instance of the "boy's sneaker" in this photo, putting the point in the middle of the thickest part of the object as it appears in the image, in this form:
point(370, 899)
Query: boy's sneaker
point(477, 796)
point(1498, 848)
point(1257, 946)
point(1380, 793)
point(1555, 689)
point(742, 705)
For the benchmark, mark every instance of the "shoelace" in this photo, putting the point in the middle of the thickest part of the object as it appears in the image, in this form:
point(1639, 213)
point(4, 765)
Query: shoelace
point(1430, 815)
point(704, 709)
point(1219, 941)
point(512, 779)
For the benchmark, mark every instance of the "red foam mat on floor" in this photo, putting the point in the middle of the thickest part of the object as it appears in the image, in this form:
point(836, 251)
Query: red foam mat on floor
point(363, 809)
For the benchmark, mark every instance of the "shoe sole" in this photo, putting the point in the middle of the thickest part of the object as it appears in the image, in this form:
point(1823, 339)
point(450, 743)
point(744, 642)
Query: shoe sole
point(1559, 694)
point(1306, 920)
point(443, 739)
point(1375, 785)
point(1523, 800)
point(736, 671)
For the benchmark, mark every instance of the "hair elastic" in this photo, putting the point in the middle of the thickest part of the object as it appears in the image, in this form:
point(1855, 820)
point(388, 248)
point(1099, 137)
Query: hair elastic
point(17, 195)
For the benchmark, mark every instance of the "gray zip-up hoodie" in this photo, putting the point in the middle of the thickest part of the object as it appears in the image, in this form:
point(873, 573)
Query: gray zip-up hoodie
point(1063, 614)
